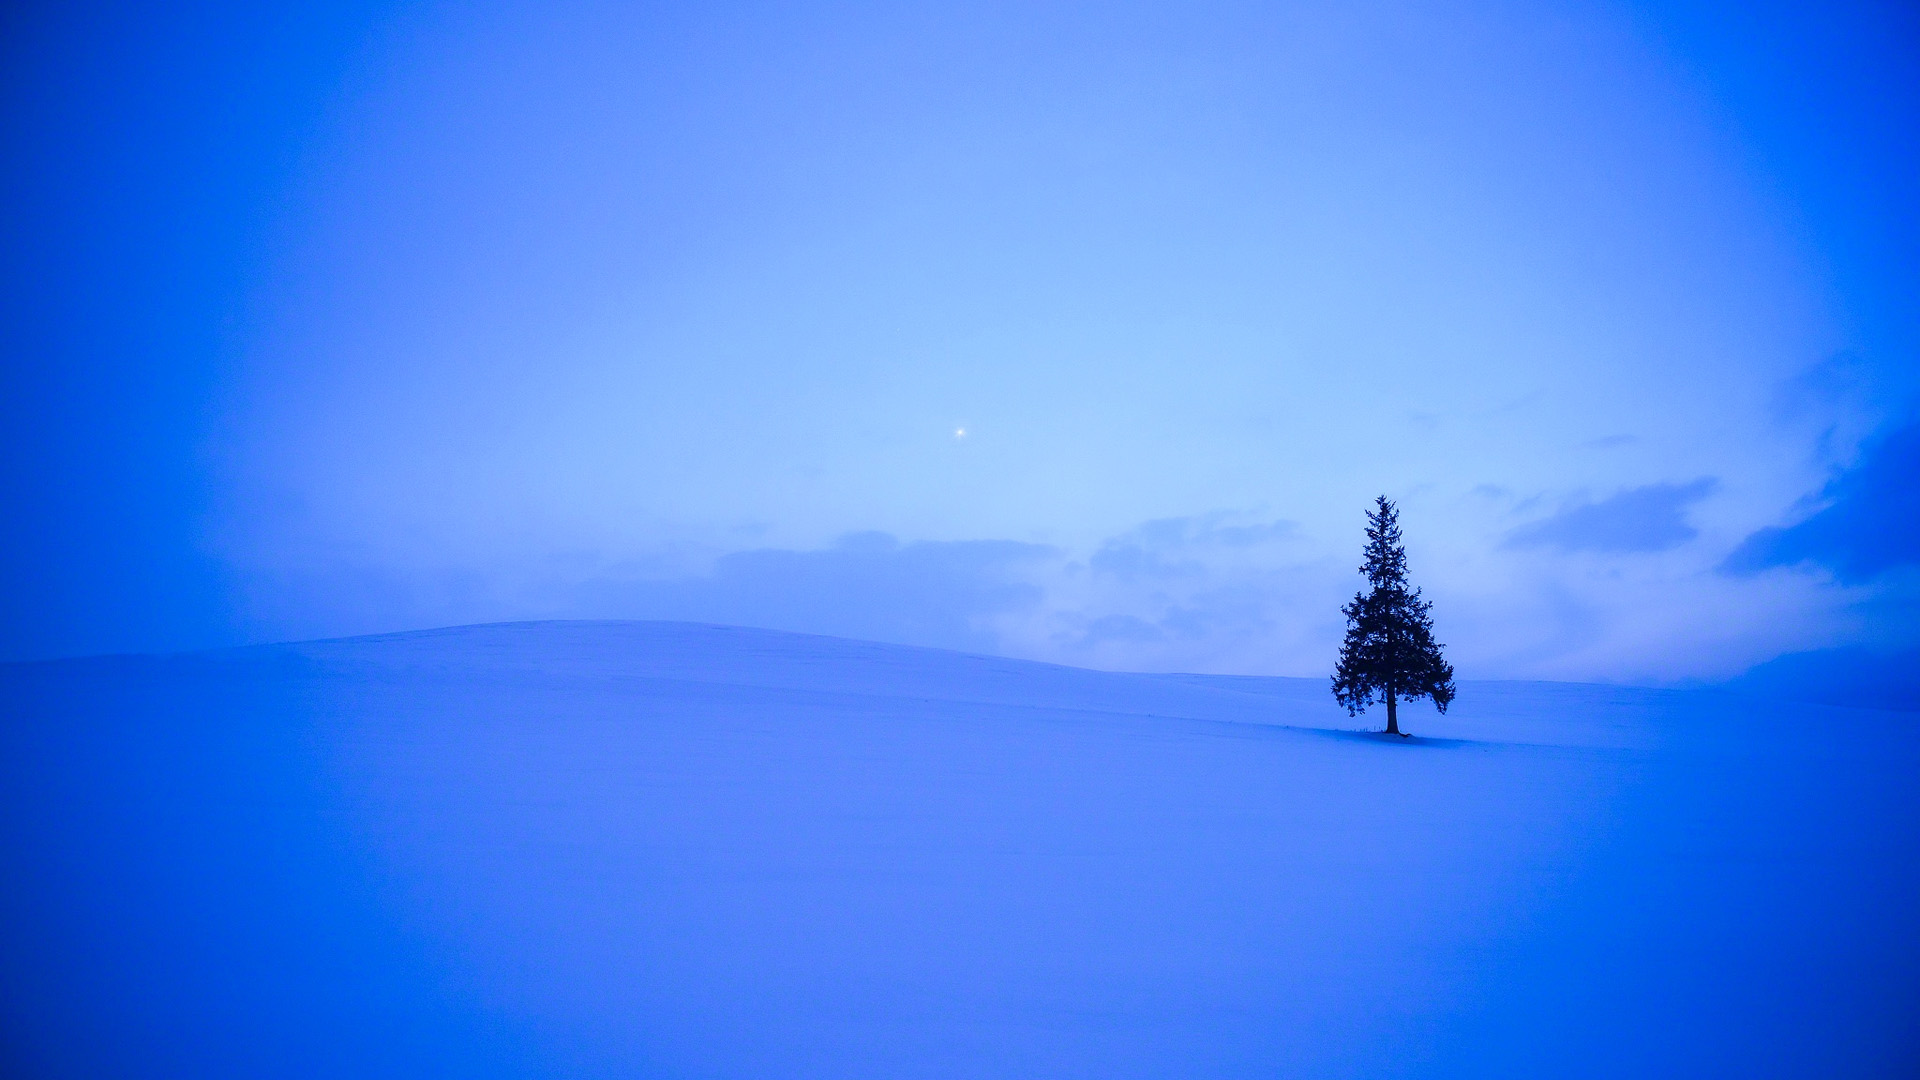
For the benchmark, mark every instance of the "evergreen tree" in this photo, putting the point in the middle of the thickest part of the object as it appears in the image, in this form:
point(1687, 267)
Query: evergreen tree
point(1389, 653)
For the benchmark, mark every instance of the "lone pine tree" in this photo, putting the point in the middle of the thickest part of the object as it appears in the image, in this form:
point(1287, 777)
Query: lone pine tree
point(1389, 653)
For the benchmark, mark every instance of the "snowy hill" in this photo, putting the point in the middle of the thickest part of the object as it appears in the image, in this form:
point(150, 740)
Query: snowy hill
point(658, 849)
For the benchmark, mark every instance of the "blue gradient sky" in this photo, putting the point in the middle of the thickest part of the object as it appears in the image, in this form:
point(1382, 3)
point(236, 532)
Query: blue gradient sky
point(1077, 332)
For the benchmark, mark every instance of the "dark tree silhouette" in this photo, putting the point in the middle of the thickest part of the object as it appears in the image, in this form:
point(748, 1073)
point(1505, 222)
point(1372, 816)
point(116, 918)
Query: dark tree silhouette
point(1389, 654)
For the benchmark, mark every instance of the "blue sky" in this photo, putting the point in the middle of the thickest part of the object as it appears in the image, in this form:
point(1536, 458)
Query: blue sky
point(1077, 332)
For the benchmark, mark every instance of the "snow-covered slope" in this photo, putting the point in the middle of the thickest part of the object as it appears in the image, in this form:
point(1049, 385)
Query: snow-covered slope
point(655, 849)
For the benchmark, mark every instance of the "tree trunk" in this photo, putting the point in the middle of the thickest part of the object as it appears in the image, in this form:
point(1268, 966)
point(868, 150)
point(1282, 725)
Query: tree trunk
point(1393, 719)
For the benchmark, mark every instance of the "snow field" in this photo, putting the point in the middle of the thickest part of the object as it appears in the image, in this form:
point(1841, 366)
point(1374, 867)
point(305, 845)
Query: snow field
point(654, 849)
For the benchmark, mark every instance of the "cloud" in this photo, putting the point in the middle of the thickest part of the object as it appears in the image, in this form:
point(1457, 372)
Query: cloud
point(1218, 592)
point(1852, 676)
point(1171, 548)
point(1121, 628)
point(1870, 522)
point(1650, 518)
point(1821, 387)
point(1221, 591)
point(869, 585)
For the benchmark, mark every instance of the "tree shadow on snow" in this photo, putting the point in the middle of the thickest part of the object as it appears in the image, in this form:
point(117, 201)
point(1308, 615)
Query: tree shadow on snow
point(1392, 740)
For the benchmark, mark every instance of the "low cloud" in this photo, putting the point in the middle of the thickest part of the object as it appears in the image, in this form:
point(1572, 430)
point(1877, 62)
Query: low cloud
point(1869, 522)
point(1643, 519)
point(869, 585)
point(1173, 548)
point(1853, 676)
point(1223, 591)
point(1219, 592)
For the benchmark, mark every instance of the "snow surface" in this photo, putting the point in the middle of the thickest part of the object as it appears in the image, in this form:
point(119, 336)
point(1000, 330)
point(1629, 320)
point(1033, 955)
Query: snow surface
point(674, 850)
